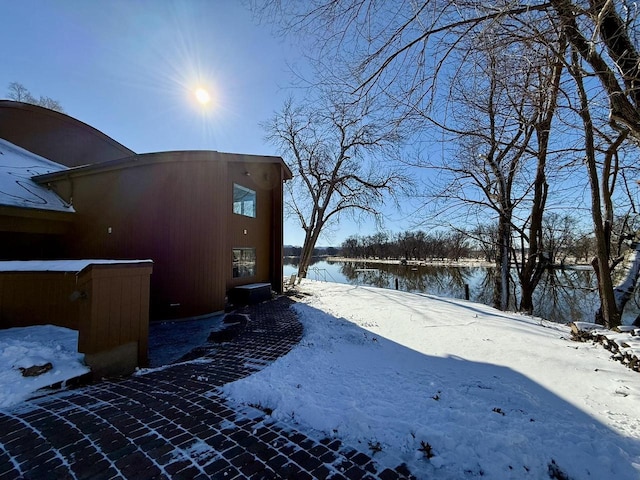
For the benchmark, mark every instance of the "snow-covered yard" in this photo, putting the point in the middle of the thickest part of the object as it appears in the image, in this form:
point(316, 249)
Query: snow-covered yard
point(452, 388)
point(37, 345)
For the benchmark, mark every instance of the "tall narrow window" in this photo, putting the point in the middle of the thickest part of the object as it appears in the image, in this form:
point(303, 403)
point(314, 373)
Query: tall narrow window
point(244, 201)
point(244, 262)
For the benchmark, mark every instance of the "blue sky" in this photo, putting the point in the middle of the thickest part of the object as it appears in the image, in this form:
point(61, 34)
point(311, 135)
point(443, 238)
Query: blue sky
point(129, 68)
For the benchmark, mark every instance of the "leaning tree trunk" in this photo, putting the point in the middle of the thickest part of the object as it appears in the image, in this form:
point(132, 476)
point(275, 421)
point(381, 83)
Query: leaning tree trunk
point(310, 239)
point(305, 257)
point(535, 263)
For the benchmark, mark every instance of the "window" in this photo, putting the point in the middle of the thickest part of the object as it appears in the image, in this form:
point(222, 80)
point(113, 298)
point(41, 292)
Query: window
point(244, 201)
point(244, 262)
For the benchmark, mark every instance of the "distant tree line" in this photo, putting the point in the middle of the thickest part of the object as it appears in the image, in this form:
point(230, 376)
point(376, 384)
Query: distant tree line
point(563, 242)
point(296, 251)
point(417, 245)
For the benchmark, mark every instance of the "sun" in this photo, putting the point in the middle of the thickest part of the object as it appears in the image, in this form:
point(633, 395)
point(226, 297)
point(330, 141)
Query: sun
point(202, 96)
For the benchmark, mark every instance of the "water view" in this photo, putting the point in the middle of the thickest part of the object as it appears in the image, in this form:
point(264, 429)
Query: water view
point(563, 295)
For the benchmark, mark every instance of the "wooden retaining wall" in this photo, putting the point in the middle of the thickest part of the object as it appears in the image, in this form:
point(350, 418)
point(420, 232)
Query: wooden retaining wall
point(38, 298)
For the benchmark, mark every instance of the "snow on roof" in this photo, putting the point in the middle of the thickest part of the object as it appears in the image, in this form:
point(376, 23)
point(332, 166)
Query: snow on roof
point(58, 265)
point(17, 189)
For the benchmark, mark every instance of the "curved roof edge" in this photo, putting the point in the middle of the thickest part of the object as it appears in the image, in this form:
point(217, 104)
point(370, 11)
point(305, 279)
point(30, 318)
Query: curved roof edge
point(161, 157)
point(50, 124)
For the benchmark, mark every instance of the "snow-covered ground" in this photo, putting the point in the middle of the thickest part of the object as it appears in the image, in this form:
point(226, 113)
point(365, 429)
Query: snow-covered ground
point(453, 388)
point(37, 345)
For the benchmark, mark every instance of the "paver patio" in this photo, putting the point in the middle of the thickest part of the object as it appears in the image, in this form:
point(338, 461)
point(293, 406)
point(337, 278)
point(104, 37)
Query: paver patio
point(171, 422)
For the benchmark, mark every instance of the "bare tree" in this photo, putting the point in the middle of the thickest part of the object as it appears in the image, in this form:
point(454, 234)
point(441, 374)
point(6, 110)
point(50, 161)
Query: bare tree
point(493, 147)
point(341, 158)
point(400, 53)
point(452, 245)
point(604, 170)
point(485, 239)
point(546, 88)
point(502, 109)
point(406, 52)
point(582, 248)
point(20, 93)
point(604, 34)
point(379, 40)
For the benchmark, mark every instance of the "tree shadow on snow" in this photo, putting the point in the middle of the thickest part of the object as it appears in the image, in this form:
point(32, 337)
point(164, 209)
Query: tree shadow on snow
point(451, 415)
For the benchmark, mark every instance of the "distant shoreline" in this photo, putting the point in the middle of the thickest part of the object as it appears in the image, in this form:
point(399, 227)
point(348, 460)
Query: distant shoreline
point(463, 262)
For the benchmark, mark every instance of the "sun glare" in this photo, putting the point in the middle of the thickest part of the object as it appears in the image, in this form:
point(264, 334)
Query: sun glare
point(202, 96)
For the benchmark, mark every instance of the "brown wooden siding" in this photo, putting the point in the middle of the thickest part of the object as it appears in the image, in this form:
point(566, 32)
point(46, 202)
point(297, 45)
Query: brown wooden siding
point(115, 310)
point(107, 304)
point(37, 298)
point(277, 235)
point(170, 212)
point(28, 234)
point(172, 207)
point(28, 220)
point(178, 211)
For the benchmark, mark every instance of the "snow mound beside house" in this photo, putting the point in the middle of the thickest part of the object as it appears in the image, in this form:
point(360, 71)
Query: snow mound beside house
point(25, 347)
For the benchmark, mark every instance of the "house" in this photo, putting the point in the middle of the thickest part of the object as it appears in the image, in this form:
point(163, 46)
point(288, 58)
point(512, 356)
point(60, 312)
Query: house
point(209, 221)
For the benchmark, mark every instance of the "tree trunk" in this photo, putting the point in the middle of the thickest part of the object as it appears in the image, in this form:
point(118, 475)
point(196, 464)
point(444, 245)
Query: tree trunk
point(503, 262)
point(615, 36)
point(310, 239)
point(608, 314)
point(536, 263)
point(305, 257)
point(526, 297)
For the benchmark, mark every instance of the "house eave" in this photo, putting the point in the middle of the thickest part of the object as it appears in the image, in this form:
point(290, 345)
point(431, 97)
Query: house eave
point(177, 156)
point(31, 220)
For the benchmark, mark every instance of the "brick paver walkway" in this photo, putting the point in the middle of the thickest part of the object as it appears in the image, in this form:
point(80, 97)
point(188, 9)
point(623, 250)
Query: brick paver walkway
point(172, 422)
